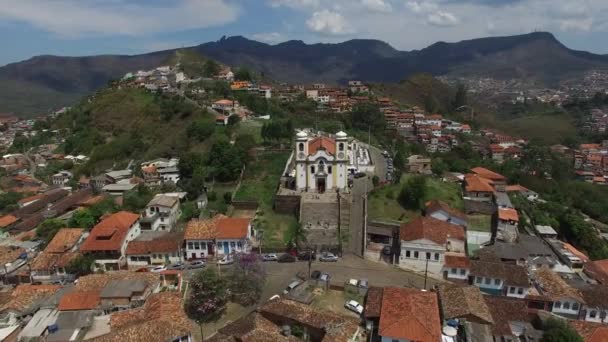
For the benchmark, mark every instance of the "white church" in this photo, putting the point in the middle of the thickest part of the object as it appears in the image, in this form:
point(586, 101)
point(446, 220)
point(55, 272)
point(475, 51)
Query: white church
point(321, 162)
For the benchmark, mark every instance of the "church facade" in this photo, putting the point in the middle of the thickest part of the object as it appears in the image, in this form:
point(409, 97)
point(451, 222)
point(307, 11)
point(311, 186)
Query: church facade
point(321, 162)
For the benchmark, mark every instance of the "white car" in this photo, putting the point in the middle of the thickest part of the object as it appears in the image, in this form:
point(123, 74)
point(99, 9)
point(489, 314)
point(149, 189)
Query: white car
point(158, 269)
point(226, 261)
point(196, 264)
point(270, 257)
point(354, 306)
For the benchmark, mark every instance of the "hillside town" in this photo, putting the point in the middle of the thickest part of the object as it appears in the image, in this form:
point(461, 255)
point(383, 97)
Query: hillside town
point(326, 235)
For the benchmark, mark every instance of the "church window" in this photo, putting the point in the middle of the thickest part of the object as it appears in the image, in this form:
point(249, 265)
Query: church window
point(329, 169)
point(341, 147)
point(301, 147)
point(312, 169)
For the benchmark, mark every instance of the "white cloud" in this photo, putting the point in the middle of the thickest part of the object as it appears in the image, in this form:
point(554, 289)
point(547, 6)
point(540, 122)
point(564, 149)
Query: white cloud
point(269, 37)
point(76, 18)
point(421, 7)
point(297, 4)
point(377, 5)
point(328, 22)
point(441, 18)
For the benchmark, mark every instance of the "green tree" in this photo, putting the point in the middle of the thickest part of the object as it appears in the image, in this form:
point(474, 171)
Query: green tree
point(81, 265)
point(201, 129)
point(211, 68)
point(438, 166)
point(136, 200)
point(107, 206)
point(189, 211)
point(243, 74)
point(233, 120)
point(295, 235)
point(460, 98)
point(207, 297)
point(367, 116)
point(8, 201)
point(557, 330)
point(376, 180)
point(413, 192)
point(82, 218)
point(246, 279)
point(48, 228)
point(225, 161)
point(227, 197)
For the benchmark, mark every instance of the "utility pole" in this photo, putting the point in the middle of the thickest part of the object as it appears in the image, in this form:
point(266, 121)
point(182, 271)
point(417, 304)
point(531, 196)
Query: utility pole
point(369, 135)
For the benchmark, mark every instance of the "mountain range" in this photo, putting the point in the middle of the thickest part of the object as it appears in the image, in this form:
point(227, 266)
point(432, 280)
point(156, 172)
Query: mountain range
point(43, 83)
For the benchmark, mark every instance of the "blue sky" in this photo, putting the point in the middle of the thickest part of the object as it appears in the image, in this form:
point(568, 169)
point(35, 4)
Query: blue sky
point(86, 27)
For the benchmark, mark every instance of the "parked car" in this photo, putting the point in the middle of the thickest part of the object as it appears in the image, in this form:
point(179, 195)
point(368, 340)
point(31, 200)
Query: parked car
point(363, 283)
point(196, 264)
point(158, 269)
point(226, 260)
point(315, 274)
point(306, 255)
point(287, 258)
point(324, 277)
point(387, 250)
point(328, 257)
point(360, 175)
point(354, 306)
point(292, 286)
point(178, 266)
point(270, 257)
point(353, 282)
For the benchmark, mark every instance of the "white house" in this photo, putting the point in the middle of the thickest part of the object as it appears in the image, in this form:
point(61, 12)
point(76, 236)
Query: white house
point(456, 267)
point(108, 240)
point(155, 248)
point(61, 178)
point(321, 162)
point(225, 105)
point(161, 213)
point(595, 308)
point(566, 300)
point(425, 241)
point(217, 237)
point(499, 278)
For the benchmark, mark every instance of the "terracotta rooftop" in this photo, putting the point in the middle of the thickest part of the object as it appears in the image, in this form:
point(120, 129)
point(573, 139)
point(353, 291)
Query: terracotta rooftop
point(437, 205)
point(431, 229)
point(163, 201)
point(514, 275)
point(590, 332)
point(79, 300)
point(98, 282)
point(598, 270)
point(64, 240)
point(595, 295)
point(218, 227)
point(464, 302)
point(488, 174)
point(508, 214)
point(457, 261)
point(576, 252)
point(162, 318)
point(109, 234)
point(167, 243)
point(255, 328)
point(7, 220)
point(410, 314)
point(9, 254)
point(336, 327)
point(474, 183)
point(30, 199)
point(554, 287)
point(46, 261)
point(505, 310)
point(25, 295)
point(322, 143)
point(516, 188)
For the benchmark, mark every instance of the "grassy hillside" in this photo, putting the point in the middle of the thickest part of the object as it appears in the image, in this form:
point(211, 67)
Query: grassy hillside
point(422, 90)
point(118, 125)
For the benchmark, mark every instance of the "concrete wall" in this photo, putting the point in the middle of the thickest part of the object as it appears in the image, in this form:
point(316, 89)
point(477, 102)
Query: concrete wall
point(287, 204)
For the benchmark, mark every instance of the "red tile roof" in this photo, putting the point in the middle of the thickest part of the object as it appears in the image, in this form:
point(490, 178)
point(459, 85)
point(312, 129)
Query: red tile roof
point(79, 300)
point(167, 243)
point(64, 240)
point(474, 183)
point(488, 174)
point(431, 229)
point(573, 250)
point(508, 214)
point(591, 332)
point(7, 220)
point(324, 143)
point(30, 199)
point(218, 227)
point(457, 261)
point(109, 234)
point(410, 314)
point(598, 270)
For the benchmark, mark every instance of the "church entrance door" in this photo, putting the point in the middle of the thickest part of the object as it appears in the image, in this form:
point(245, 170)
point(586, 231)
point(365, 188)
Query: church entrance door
point(321, 181)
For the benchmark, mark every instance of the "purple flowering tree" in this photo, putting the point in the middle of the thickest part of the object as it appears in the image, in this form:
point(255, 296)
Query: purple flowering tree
point(246, 279)
point(207, 297)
